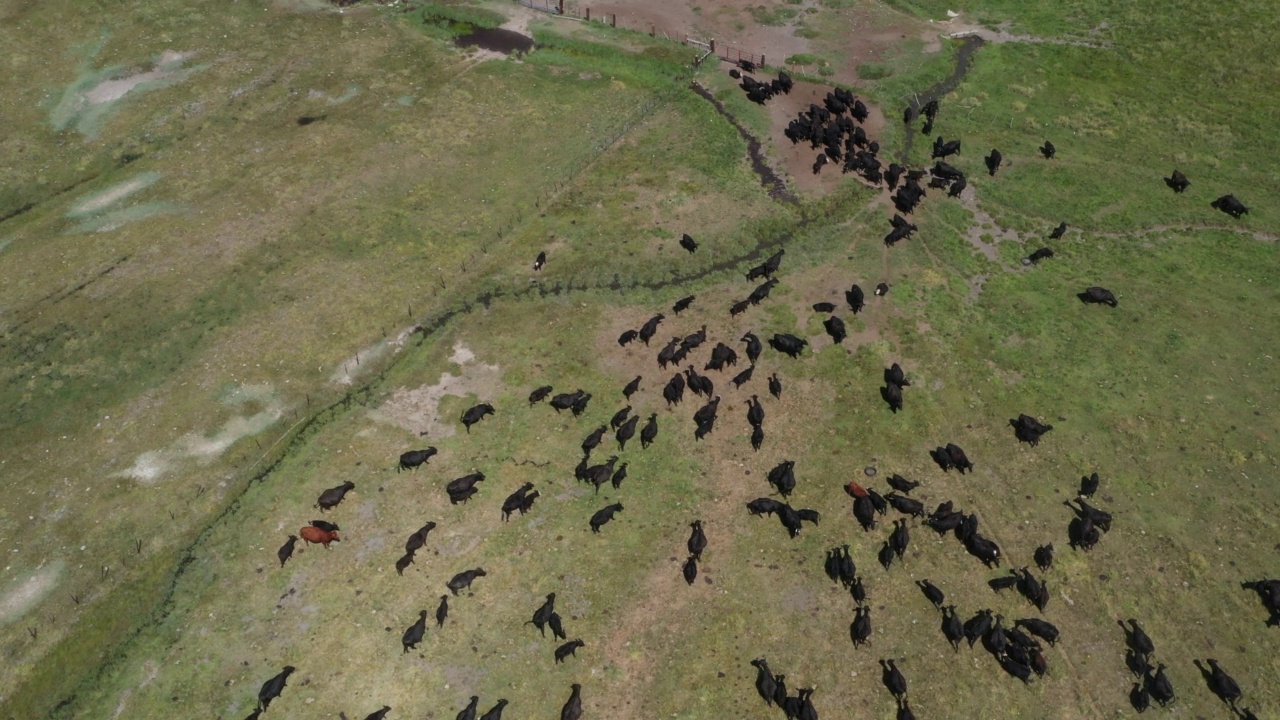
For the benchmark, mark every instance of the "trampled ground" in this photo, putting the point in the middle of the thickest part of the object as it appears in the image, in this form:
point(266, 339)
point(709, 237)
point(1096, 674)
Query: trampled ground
point(212, 266)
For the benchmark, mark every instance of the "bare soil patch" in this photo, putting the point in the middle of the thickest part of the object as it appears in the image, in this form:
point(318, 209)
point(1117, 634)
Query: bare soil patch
point(417, 410)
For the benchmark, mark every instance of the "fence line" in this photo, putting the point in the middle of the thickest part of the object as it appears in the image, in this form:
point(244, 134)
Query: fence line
point(573, 10)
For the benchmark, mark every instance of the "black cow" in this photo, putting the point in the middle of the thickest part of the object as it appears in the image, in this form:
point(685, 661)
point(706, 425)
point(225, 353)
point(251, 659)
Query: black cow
point(952, 628)
point(516, 501)
point(442, 611)
point(1044, 557)
point(957, 187)
point(1230, 205)
point(707, 412)
point(463, 580)
point(945, 171)
point(855, 298)
point(788, 344)
point(775, 386)
point(932, 592)
point(942, 458)
point(783, 477)
point(650, 431)
point(835, 328)
point(764, 506)
point(540, 261)
point(650, 328)
point(1269, 592)
point(699, 384)
point(1098, 296)
point(697, 540)
point(495, 713)
point(1222, 684)
point(902, 504)
point(272, 688)
point(418, 538)
point(1048, 150)
point(286, 550)
point(572, 709)
point(604, 515)
point(882, 289)
point(959, 459)
point(469, 712)
point(860, 629)
point(543, 614)
point(567, 649)
point(626, 432)
point(580, 404)
point(557, 628)
point(1160, 687)
point(414, 458)
point(738, 308)
point(1042, 254)
point(673, 392)
point(1089, 484)
point(683, 304)
point(331, 497)
point(464, 483)
point(1028, 429)
point(894, 374)
point(753, 346)
point(942, 149)
point(619, 417)
point(901, 484)
point(765, 684)
point(325, 525)
point(688, 243)
point(627, 336)
point(743, 377)
point(690, 569)
point(1178, 182)
point(892, 395)
point(380, 714)
point(413, 635)
point(476, 414)
point(539, 394)
point(993, 161)
point(1059, 231)
point(565, 401)
point(893, 679)
point(762, 291)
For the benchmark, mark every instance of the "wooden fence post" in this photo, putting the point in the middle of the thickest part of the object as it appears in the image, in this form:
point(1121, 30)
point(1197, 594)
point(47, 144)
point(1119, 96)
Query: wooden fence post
point(588, 14)
point(762, 63)
point(613, 20)
point(713, 46)
point(561, 7)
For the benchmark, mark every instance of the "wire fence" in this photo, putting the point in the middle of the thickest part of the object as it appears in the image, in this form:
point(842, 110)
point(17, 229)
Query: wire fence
point(574, 10)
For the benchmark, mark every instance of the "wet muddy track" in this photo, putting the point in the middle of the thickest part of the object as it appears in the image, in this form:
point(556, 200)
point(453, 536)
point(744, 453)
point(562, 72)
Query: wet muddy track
point(773, 184)
point(964, 59)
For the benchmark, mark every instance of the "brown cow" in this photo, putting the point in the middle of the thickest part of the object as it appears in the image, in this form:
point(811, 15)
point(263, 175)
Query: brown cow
point(316, 535)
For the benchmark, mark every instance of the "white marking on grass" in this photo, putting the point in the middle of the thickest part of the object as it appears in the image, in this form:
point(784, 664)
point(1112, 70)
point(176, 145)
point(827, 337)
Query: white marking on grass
point(100, 200)
point(418, 410)
point(151, 465)
point(352, 367)
point(25, 592)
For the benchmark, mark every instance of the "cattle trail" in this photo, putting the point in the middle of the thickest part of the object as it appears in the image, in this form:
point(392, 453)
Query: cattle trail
point(969, 45)
point(775, 185)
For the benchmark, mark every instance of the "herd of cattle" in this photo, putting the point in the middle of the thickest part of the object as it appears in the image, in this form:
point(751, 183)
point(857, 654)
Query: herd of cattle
point(1015, 647)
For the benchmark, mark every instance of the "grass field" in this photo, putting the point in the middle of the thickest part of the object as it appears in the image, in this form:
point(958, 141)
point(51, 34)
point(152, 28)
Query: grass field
point(206, 315)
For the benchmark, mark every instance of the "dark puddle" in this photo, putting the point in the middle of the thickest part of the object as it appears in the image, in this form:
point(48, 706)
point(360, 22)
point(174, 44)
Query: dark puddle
point(495, 40)
point(774, 185)
point(964, 59)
